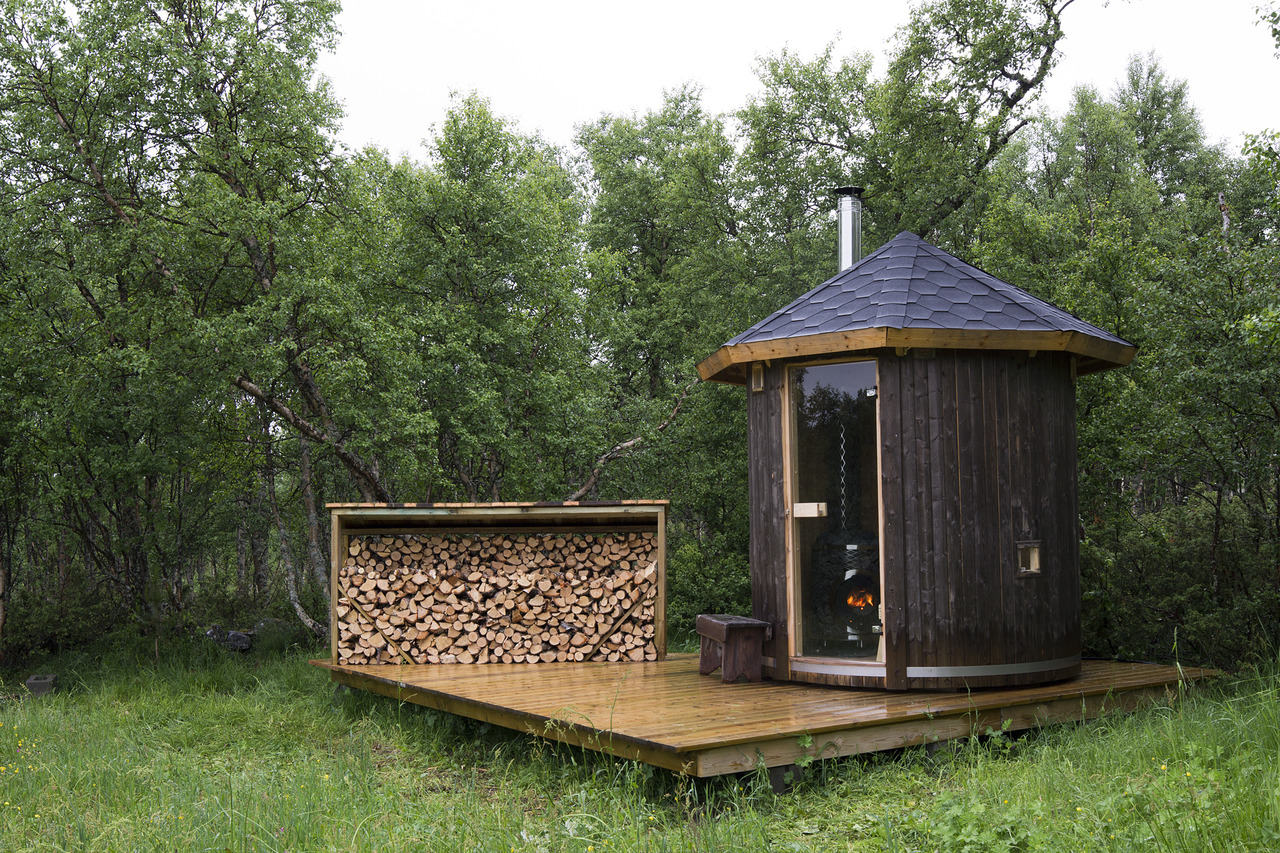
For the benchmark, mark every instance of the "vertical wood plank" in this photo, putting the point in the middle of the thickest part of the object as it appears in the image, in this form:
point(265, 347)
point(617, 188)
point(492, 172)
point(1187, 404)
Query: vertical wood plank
point(938, 486)
point(1021, 604)
point(987, 592)
point(1054, 564)
point(768, 515)
point(966, 575)
point(337, 554)
point(948, 570)
point(1045, 433)
point(912, 552)
point(788, 589)
point(660, 610)
point(892, 520)
point(921, 565)
point(1004, 566)
point(1069, 606)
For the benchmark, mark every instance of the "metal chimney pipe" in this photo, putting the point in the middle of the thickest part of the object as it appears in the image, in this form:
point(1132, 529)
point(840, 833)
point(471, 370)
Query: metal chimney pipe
point(849, 223)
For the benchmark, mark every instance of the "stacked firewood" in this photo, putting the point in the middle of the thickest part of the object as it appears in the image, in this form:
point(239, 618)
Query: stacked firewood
point(497, 598)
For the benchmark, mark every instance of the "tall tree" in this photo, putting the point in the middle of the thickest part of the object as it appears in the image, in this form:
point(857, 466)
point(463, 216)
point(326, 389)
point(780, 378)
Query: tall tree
point(488, 292)
point(958, 88)
point(664, 232)
point(669, 283)
point(166, 166)
point(1113, 211)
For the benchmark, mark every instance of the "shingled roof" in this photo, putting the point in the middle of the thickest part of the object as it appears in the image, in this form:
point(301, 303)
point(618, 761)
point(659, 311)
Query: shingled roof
point(909, 293)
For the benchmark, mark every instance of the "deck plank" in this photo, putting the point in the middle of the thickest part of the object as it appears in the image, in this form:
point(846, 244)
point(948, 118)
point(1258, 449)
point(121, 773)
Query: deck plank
point(666, 714)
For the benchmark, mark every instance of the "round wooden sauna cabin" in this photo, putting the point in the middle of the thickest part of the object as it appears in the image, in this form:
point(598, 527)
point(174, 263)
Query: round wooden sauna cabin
point(913, 475)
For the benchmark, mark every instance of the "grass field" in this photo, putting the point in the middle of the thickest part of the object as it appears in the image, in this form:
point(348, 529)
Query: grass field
point(212, 751)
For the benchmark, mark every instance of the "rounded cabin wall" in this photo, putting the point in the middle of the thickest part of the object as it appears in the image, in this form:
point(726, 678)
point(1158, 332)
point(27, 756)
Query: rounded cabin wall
point(978, 549)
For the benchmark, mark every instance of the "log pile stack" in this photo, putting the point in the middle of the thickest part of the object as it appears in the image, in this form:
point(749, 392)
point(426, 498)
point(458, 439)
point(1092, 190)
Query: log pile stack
point(490, 598)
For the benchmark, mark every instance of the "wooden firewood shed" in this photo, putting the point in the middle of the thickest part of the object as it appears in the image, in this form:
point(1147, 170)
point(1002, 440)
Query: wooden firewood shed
point(498, 582)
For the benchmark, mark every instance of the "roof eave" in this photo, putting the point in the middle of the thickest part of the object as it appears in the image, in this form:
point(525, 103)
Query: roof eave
point(728, 364)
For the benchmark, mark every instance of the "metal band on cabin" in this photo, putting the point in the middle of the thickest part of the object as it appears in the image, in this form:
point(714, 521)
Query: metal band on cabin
point(934, 671)
point(872, 670)
point(991, 669)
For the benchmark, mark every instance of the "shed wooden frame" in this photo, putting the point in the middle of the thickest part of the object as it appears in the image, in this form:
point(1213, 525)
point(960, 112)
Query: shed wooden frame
point(370, 519)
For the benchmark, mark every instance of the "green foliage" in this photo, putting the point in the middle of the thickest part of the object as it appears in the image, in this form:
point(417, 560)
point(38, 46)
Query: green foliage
point(71, 615)
point(956, 91)
point(1115, 212)
point(1195, 581)
point(668, 262)
point(486, 292)
point(162, 167)
point(704, 579)
point(213, 320)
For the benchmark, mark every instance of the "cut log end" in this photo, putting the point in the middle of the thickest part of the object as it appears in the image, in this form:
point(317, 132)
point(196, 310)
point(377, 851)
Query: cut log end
point(513, 598)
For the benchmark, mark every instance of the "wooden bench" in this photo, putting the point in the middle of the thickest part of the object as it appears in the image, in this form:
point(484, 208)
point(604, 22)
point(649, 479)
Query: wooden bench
point(734, 643)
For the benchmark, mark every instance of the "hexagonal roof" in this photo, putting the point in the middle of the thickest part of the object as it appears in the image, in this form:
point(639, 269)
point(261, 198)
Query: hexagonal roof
point(909, 293)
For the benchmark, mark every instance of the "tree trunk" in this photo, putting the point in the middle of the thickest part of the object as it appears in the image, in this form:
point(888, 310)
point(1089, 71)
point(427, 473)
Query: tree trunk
point(258, 545)
point(364, 474)
point(286, 557)
point(6, 566)
point(242, 558)
point(315, 549)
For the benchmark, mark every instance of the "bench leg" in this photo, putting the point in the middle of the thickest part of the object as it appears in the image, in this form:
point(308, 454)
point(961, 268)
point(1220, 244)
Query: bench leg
point(710, 656)
point(742, 657)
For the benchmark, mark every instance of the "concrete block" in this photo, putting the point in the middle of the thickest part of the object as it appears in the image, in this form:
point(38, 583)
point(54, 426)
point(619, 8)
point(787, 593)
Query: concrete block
point(39, 685)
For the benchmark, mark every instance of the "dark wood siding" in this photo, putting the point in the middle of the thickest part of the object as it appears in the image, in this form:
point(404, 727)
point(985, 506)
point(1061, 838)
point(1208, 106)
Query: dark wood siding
point(896, 468)
point(978, 455)
point(768, 514)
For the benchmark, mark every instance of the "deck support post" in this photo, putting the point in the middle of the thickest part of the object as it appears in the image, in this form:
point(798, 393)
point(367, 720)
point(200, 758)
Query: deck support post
point(783, 777)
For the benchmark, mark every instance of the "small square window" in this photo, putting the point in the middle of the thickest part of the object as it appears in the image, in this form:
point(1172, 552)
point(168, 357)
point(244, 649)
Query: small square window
point(1028, 559)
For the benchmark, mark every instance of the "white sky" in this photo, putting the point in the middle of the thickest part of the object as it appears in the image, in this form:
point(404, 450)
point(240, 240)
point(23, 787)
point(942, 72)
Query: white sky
point(555, 64)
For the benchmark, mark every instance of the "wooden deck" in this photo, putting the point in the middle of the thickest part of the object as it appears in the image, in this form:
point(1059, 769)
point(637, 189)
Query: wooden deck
point(664, 713)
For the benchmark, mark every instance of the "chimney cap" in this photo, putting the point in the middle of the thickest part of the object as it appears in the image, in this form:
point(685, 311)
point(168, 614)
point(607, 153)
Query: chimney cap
point(853, 191)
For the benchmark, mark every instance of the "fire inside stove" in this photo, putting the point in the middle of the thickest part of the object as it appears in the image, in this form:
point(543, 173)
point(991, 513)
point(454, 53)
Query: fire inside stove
point(859, 596)
point(861, 599)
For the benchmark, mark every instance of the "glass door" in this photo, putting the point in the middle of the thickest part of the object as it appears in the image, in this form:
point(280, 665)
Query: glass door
point(836, 511)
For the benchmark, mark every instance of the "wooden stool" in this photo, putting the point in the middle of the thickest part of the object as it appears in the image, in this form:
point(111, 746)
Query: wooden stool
point(732, 642)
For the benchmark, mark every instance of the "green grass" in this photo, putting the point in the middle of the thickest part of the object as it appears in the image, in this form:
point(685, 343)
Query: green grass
point(210, 751)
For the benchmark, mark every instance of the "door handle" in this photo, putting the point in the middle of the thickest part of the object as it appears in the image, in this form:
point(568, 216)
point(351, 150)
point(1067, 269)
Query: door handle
point(811, 510)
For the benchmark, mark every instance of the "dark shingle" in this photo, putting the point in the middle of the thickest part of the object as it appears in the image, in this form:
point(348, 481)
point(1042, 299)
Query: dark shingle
point(908, 283)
